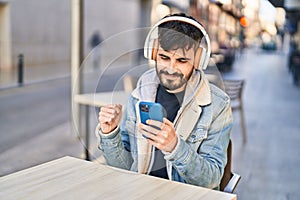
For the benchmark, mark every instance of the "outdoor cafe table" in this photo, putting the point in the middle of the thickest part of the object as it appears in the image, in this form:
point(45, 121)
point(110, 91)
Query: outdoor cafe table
point(73, 178)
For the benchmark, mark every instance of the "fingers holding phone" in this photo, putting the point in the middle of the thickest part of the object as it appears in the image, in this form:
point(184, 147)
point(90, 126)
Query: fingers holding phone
point(159, 131)
point(162, 135)
point(110, 117)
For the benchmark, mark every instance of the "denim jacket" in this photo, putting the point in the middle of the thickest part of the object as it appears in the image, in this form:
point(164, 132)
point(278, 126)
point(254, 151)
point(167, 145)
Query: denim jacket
point(203, 125)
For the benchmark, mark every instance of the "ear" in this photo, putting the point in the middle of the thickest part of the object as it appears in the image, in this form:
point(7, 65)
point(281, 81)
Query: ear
point(197, 57)
point(154, 50)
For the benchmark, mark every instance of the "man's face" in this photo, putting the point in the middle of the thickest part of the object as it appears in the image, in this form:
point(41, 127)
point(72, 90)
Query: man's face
point(174, 68)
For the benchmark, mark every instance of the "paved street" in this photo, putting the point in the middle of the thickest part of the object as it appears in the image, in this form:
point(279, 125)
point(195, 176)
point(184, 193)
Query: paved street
point(35, 126)
point(35, 120)
point(269, 162)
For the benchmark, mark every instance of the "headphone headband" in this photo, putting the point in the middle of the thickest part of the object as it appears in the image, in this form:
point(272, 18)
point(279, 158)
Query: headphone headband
point(206, 52)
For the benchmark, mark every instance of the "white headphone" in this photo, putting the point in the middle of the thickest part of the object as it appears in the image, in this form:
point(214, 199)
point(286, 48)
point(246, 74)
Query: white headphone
point(202, 55)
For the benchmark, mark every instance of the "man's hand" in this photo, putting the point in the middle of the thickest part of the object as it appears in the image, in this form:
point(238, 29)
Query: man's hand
point(110, 117)
point(163, 137)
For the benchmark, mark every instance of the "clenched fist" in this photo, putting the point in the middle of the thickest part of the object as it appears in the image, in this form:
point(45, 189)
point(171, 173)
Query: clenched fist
point(110, 117)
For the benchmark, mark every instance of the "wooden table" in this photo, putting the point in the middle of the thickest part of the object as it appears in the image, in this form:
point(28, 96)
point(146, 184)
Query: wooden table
point(98, 100)
point(72, 178)
point(102, 98)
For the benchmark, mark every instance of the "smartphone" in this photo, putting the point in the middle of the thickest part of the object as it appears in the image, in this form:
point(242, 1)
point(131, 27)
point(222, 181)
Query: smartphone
point(150, 110)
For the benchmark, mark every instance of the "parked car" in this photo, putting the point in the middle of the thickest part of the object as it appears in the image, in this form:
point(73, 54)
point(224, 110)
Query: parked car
point(269, 46)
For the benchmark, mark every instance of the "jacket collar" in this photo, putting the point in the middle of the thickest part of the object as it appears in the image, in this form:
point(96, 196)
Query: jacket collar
point(203, 95)
point(146, 86)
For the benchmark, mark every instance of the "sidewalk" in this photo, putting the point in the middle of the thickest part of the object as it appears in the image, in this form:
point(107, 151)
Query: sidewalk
point(34, 74)
point(268, 163)
point(52, 144)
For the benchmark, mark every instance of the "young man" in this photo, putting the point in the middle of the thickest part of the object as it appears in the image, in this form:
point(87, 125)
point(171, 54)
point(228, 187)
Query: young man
point(190, 145)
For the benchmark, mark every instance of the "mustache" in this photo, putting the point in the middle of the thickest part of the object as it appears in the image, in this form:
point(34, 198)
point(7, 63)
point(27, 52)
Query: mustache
point(172, 74)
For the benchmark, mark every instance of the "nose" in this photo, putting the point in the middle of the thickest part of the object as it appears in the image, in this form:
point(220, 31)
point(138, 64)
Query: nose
point(172, 64)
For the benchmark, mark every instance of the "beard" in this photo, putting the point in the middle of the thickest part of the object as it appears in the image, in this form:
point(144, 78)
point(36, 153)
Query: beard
point(176, 80)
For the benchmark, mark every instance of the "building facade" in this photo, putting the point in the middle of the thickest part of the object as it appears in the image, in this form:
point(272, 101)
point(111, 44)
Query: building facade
point(41, 30)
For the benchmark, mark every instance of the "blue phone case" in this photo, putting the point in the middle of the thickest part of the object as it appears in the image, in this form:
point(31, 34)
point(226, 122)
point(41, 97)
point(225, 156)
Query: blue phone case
point(150, 110)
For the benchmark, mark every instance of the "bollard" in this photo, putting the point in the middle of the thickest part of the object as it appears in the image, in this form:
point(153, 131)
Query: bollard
point(20, 69)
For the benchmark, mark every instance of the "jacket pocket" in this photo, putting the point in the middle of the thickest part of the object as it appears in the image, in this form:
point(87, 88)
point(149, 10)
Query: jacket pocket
point(197, 136)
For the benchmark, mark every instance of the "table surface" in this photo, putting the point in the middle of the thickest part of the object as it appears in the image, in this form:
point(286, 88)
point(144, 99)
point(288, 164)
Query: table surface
point(102, 98)
point(72, 178)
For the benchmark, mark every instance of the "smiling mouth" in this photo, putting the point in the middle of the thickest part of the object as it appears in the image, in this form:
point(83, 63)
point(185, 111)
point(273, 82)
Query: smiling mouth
point(172, 76)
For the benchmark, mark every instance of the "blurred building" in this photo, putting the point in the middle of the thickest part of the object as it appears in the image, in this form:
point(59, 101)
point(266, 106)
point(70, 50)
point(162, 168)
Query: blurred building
point(292, 10)
point(41, 30)
point(235, 24)
point(221, 19)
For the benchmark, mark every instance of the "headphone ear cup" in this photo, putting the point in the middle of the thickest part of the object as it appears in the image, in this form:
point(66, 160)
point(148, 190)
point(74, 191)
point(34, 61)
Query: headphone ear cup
point(154, 50)
point(198, 56)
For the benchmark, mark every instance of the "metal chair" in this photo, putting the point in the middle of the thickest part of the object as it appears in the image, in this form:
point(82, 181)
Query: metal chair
point(234, 89)
point(229, 180)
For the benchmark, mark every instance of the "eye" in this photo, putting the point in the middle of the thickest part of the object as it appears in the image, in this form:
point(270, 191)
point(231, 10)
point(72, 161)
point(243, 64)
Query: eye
point(164, 57)
point(183, 60)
